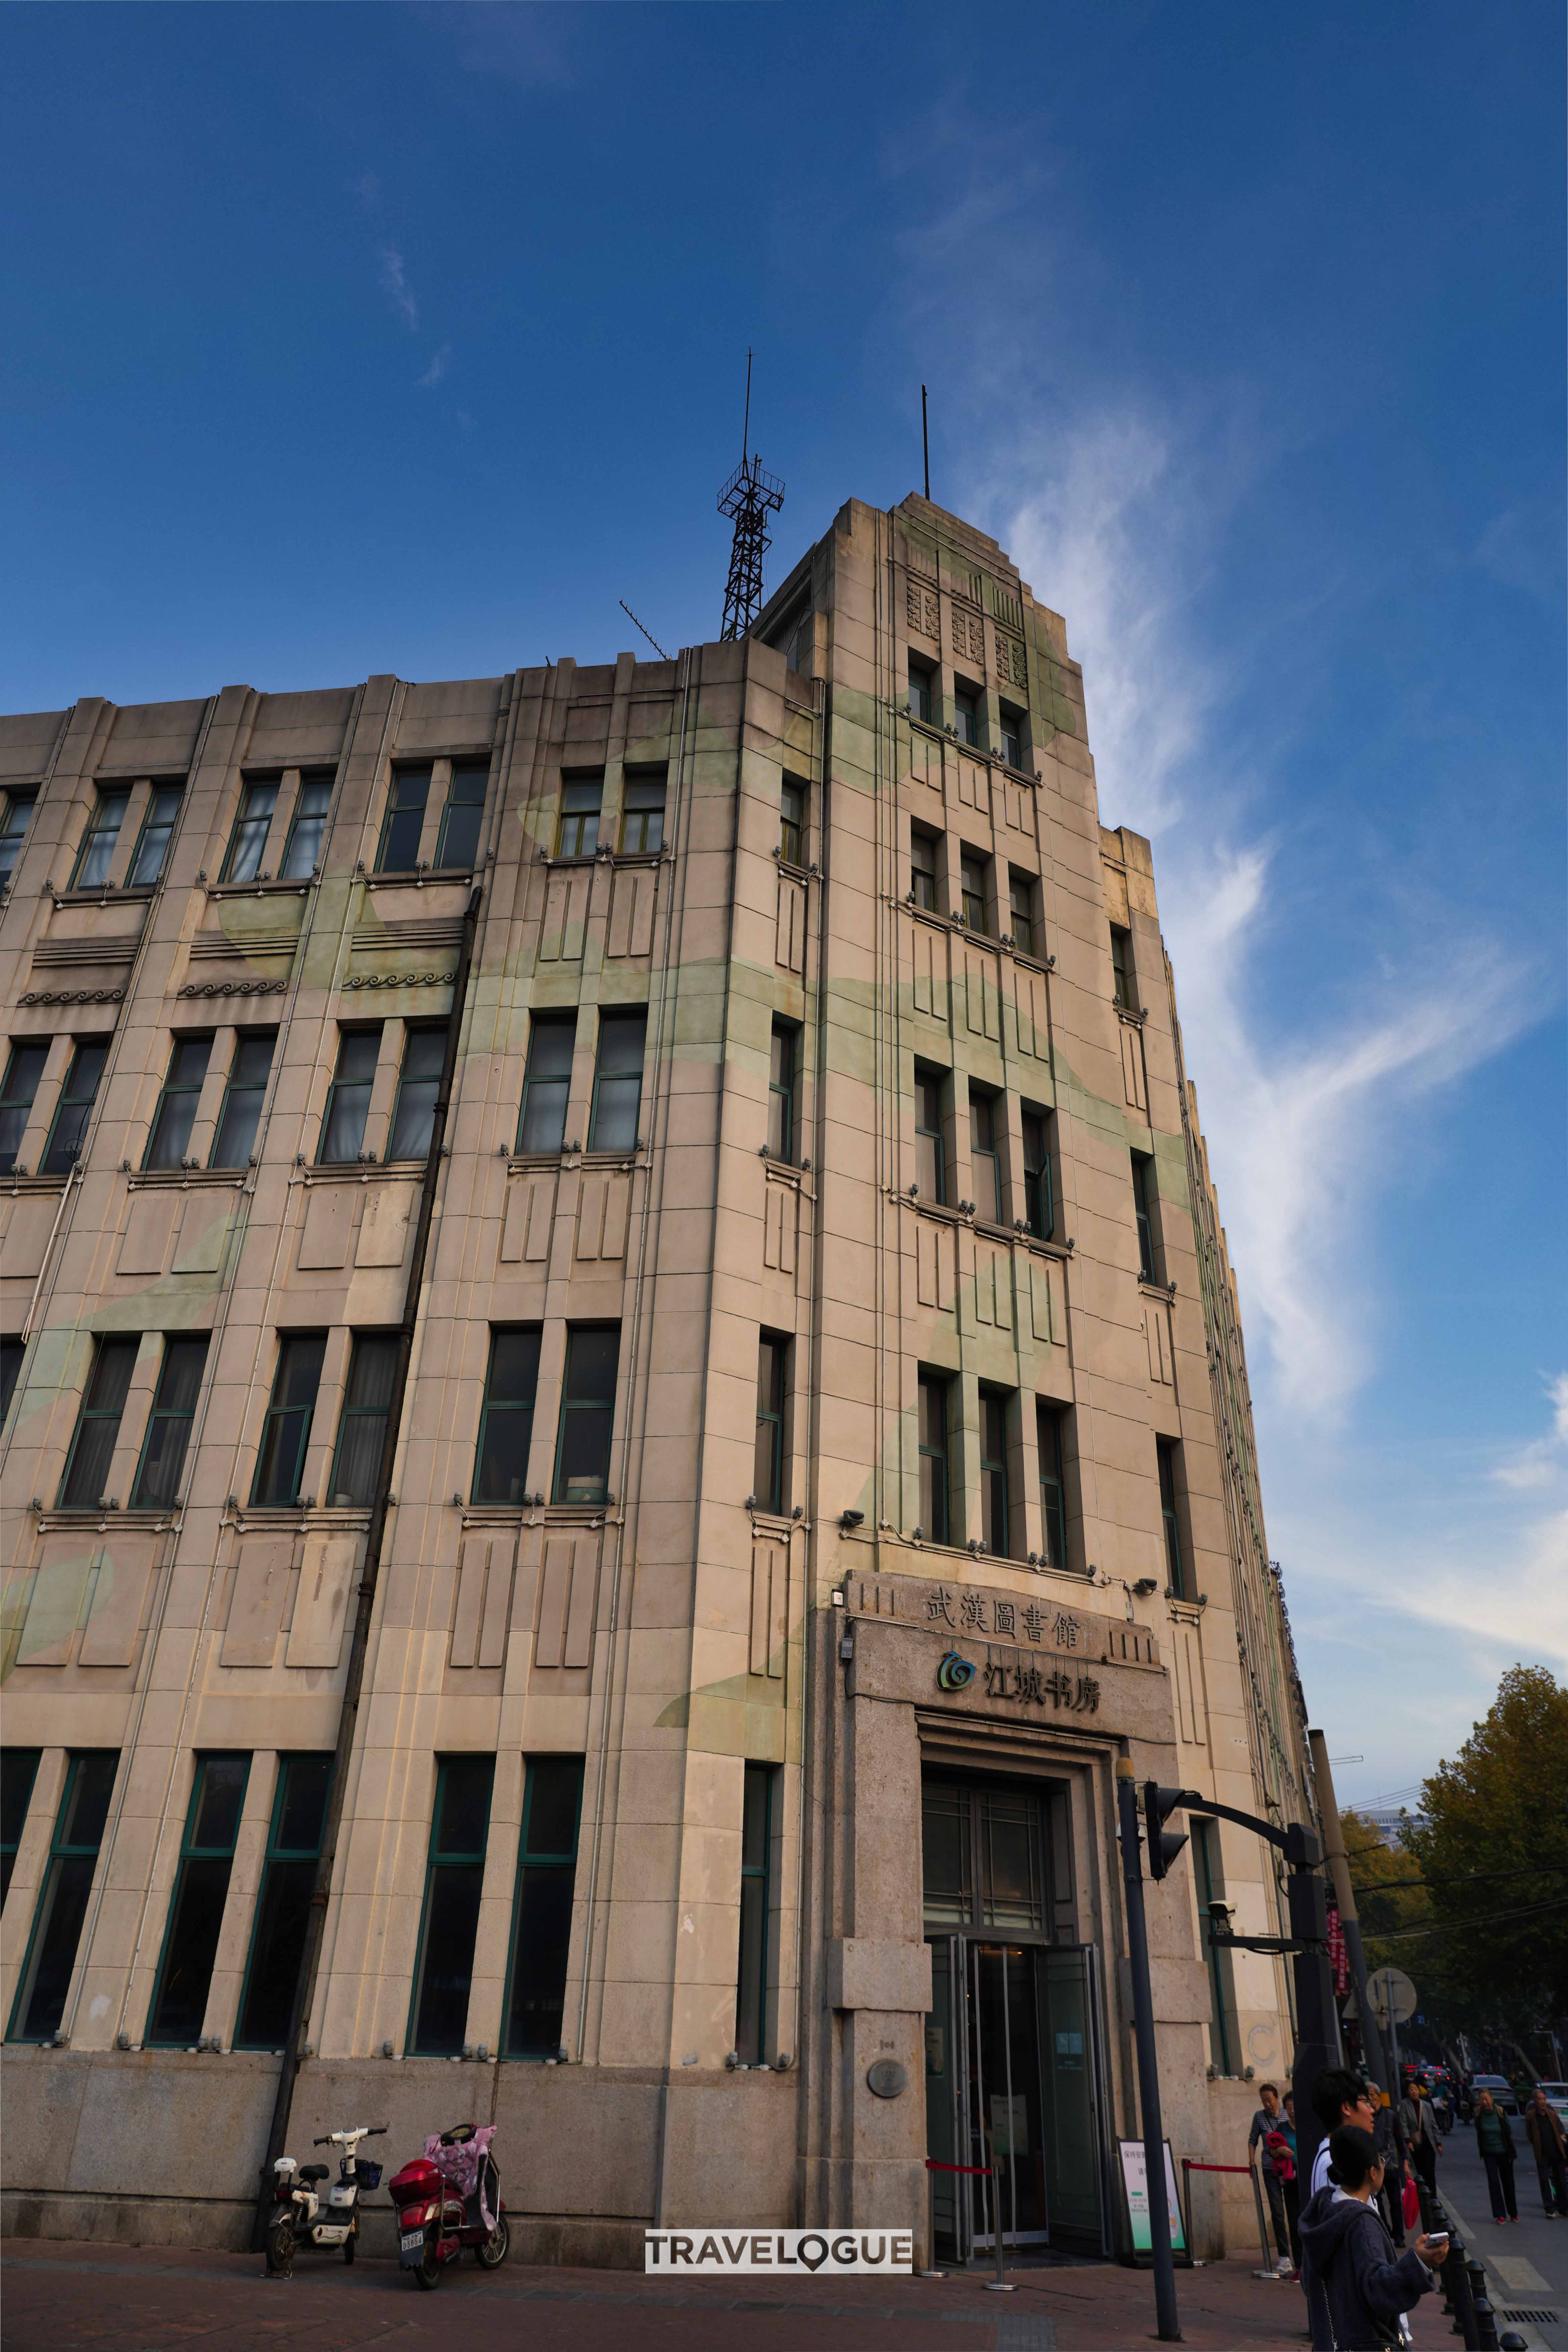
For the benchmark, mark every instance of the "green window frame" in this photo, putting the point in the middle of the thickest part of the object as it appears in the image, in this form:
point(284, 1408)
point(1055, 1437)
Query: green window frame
point(933, 1405)
point(643, 797)
point(418, 1089)
point(96, 854)
point(84, 1485)
point(79, 1092)
point(170, 1423)
point(362, 1424)
point(1039, 1190)
point(783, 1091)
point(617, 1108)
point(450, 1916)
point(24, 1075)
point(1010, 735)
point(1021, 913)
point(756, 1901)
point(462, 819)
point(984, 1159)
point(12, 1353)
point(348, 1097)
point(18, 817)
point(971, 889)
point(50, 1961)
point(1143, 1209)
point(922, 869)
point(506, 1422)
point(587, 1414)
point(243, 1096)
point(995, 1515)
point(547, 1082)
point(18, 1770)
point(966, 715)
point(176, 1113)
point(178, 2006)
point(792, 805)
point(919, 691)
point(773, 1389)
point(283, 1900)
point(402, 826)
point(1175, 1567)
point(581, 799)
point(541, 1943)
point(1053, 1486)
point(252, 828)
point(931, 1140)
point(291, 1409)
point(307, 828)
point(1120, 967)
point(157, 832)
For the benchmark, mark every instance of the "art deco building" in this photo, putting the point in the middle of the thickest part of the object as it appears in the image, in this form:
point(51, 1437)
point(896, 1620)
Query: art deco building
point(825, 1446)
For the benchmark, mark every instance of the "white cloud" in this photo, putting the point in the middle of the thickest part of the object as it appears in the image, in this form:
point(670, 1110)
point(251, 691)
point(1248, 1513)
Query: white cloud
point(437, 370)
point(367, 188)
point(1541, 1462)
point(394, 282)
point(1523, 548)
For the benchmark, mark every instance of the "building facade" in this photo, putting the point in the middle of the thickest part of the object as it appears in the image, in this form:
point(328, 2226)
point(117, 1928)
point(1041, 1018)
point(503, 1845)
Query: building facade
point(825, 1449)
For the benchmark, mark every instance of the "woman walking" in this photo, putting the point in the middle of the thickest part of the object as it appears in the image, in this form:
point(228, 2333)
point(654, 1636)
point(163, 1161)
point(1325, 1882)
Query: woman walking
point(1494, 2140)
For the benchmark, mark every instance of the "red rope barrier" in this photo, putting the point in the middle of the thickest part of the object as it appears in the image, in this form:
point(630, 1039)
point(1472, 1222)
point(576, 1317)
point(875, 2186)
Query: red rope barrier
point(981, 2171)
point(1192, 2167)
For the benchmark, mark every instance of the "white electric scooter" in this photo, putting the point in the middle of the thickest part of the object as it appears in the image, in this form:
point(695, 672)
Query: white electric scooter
point(300, 2218)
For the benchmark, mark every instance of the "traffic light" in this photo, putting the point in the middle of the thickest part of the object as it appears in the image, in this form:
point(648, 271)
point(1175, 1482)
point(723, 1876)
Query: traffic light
point(1164, 1845)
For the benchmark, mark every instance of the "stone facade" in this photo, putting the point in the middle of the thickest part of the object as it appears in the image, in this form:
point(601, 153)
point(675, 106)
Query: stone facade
point(722, 1588)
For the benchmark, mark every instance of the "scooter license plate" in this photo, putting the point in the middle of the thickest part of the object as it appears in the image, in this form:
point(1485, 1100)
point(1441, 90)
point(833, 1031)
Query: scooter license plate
point(412, 2242)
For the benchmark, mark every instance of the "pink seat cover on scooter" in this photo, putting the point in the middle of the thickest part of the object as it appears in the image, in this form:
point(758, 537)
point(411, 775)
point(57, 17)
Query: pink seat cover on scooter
point(464, 2166)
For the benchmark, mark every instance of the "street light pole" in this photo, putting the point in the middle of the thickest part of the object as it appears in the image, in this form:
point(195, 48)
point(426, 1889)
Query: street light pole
point(1167, 2321)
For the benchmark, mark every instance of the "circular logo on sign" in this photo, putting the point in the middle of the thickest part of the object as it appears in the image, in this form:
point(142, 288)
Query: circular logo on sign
point(886, 2079)
point(955, 1673)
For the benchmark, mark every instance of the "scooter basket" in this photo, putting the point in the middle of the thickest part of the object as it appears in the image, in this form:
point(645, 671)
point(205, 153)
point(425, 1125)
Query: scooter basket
point(367, 2174)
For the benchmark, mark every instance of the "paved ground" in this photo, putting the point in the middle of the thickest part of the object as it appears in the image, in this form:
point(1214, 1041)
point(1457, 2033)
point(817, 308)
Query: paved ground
point(61, 2297)
point(1527, 2266)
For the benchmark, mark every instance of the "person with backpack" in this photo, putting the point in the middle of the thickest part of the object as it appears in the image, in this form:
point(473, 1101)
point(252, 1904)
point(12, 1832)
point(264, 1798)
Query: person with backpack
point(1358, 2287)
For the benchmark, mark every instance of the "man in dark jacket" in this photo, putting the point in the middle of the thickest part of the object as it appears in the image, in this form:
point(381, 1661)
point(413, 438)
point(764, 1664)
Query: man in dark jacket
point(1357, 2288)
point(1419, 2124)
point(1264, 2125)
point(1549, 2142)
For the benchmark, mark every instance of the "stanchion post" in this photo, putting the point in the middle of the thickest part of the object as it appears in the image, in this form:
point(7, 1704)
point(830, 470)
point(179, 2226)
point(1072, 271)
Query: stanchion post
point(1262, 2225)
point(930, 2270)
point(998, 2285)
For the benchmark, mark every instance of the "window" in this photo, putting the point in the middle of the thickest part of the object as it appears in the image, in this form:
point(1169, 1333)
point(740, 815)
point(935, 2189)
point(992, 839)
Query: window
point(1039, 1192)
point(506, 1424)
point(14, 819)
point(348, 1103)
point(783, 1090)
point(1141, 1198)
point(1121, 967)
point(984, 1164)
point(302, 852)
point(1210, 1877)
point(201, 1890)
point(11, 1354)
point(1012, 735)
point(97, 851)
point(419, 1083)
point(542, 1921)
point(920, 691)
point(930, 1150)
point(922, 869)
point(756, 1854)
point(966, 715)
point(157, 832)
point(1166, 1449)
point(642, 812)
point(454, 1876)
point(933, 1414)
point(768, 1469)
point(241, 1112)
point(587, 1414)
point(254, 822)
point(994, 1530)
point(791, 822)
point(547, 1082)
point(971, 887)
point(176, 1111)
point(404, 821)
point(1053, 1488)
point(163, 1462)
point(580, 800)
point(74, 1108)
point(361, 1432)
point(987, 1839)
point(457, 848)
point(62, 1900)
point(283, 1904)
point(86, 1482)
point(18, 1770)
point(280, 1465)
point(617, 1081)
point(23, 1071)
point(1021, 910)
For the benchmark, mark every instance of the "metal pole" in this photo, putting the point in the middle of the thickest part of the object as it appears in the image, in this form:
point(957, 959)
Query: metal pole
point(1262, 2224)
point(1168, 2324)
point(925, 439)
point(1344, 1894)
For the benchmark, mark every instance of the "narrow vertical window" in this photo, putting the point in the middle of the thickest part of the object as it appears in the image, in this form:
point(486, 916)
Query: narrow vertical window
point(756, 1857)
point(201, 1890)
point(1039, 1190)
point(23, 1070)
point(18, 1770)
point(617, 1081)
point(1121, 967)
point(768, 1469)
point(996, 1532)
point(1166, 1448)
point(348, 1101)
point(11, 1354)
point(74, 1108)
point(966, 715)
point(541, 1923)
point(506, 1423)
point(242, 1100)
point(453, 1877)
point(642, 812)
point(1142, 1209)
point(783, 1090)
point(930, 1149)
point(40, 2002)
point(176, 1111)
point(157, 832)
point(919, 691)
point(86, 1482)
point(283, 1903)
point(922, 870)
point(587, 1414)
point(1011, 736)
point(280, 1465)
point(403, 822)
point(361, 1430)
point(248, 844)
point(302, 851)
point(419, 1084)
point(934, 1489)
point(163, 1449)
point(984, 1161)
point(971, 885)
point(1053, 1490)
point(14, 819)
point(97, 851)
point(1021, 913)
point(547, 1083)
point(791, 822)
point(458, 849)
point(581, 800)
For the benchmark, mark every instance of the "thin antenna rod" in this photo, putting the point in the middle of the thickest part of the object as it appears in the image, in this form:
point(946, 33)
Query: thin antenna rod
point(638, 625)
point(747, 499)
point(925, 439)
point(746, 427)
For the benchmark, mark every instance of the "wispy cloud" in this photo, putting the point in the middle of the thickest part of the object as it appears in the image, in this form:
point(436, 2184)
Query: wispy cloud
point(437, 372)
point(1541, 1462)
point(367, 188)
point(394, 282)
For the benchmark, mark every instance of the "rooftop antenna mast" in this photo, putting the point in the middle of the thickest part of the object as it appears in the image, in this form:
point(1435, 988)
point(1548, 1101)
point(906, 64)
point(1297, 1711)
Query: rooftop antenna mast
point(749, 496)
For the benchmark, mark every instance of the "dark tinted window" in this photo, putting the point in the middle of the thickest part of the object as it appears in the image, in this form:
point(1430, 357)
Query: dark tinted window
point(404, 821)
point(348, 1104)
point(547, 1084)
point(75, 1108)
point(506, 1426)
point(362, 1432)
point(24, 1069)
point(617, 1081)
point(280, 1465)
point(63, 1899)
point(18, 1770)
point(86, 1483)
point(254, 822)
point(587, 1414)
point(98, 847)
point(163, 1449)
point(176, 1111)
point(241, 1111)
point(462, 819)
point(157, 832)
point(282, 1908)
point(201, 1890)
point(642, 812)
point(453, 1880)
point(424, 1056)
point(303, 854)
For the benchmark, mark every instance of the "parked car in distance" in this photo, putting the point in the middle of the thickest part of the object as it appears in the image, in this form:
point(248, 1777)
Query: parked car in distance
point(1557, 2092)
point(1501, 2088)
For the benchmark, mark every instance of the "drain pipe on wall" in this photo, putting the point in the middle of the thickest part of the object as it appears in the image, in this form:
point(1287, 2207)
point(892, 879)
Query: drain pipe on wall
point(304, 1991)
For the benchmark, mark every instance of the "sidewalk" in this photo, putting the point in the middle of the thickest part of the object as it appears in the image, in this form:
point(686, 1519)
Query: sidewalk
point(65, 2297)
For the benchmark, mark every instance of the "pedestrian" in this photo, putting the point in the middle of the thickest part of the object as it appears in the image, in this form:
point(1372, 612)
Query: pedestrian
point(1494, 2140)
point(1280, 2144)
point(1390, 2155)
point(1358, 2287)
point(1419, 2126)
point(1544, 2130)
point(1338, 2097)
point(1265, 2126)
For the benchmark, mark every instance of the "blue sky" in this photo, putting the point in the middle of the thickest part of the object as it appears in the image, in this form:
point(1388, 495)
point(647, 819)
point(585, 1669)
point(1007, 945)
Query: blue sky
point(352, 339)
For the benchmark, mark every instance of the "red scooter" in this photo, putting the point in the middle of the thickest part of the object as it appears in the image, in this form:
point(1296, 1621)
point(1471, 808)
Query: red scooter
point(448, 2198)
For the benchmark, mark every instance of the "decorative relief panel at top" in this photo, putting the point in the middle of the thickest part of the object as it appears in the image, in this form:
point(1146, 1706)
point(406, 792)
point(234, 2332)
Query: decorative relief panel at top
point(921, 609)
point(1012, 668)
point(968, 638)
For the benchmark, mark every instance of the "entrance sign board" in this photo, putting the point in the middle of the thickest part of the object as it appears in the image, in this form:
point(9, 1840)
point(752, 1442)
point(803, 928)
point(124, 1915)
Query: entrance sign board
point(1136, 2181)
